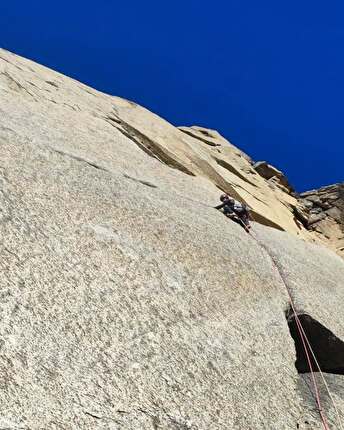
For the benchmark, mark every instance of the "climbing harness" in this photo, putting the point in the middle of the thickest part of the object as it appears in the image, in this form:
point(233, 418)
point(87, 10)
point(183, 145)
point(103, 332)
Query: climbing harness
point(305, 342)
point(238, 220)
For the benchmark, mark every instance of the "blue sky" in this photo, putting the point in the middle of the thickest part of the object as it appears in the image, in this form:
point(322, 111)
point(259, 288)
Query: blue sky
point(268, 75)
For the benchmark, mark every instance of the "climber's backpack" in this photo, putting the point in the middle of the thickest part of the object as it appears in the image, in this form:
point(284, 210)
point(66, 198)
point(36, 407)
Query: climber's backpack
point(240, 207)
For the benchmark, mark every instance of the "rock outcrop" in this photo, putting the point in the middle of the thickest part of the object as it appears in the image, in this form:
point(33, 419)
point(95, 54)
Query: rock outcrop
point(127, 301)
point(324, 212)
point(273, 175)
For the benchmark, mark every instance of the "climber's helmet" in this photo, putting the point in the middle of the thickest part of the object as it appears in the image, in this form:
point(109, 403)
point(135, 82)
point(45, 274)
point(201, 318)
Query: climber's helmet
point(226, 198)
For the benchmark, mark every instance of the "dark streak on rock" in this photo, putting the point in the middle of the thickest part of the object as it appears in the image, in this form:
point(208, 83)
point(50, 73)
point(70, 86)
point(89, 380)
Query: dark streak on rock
point(14, 65)
point(195, 136)
point(18, 84)
point(232, 169)
point(148, 184)
point(147, 145)
point(77, 158)
point(52, 83)
point(93, 416)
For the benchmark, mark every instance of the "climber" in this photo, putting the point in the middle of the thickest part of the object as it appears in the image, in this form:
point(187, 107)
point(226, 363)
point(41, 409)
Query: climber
point(235, 210)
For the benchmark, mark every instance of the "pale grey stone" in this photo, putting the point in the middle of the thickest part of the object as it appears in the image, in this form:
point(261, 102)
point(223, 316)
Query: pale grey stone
point(131, 306)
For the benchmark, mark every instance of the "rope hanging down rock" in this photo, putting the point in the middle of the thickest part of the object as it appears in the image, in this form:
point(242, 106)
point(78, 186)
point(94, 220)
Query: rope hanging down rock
point(305, 342)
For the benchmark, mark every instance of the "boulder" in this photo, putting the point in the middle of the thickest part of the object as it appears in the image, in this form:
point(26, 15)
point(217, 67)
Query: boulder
point(336, 214)
point(316, 217)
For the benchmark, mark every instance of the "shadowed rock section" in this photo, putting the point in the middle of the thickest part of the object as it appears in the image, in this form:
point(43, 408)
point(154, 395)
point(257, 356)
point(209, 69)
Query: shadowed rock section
point(226, 165)
point(147, 145)
point(327, 347)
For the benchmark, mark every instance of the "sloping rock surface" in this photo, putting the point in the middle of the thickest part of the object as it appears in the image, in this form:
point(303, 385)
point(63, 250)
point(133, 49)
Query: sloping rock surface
point(127, 301)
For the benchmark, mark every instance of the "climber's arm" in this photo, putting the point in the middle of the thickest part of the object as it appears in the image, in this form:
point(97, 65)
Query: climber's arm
point(220, 206)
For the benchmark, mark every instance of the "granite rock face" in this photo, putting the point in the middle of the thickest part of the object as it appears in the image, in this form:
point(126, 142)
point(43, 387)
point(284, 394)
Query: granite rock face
point(127, 301)
point(325, 214)
point(274, 175)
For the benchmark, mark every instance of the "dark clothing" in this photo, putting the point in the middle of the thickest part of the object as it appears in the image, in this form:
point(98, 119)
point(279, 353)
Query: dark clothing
point(245, 218)
point(226, 206)
point(240, 220)
point(231, 208)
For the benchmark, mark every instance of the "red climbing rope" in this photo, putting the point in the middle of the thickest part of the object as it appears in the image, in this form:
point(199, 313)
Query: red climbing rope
point(316, 389)
point(324, 380)
point(303, 336)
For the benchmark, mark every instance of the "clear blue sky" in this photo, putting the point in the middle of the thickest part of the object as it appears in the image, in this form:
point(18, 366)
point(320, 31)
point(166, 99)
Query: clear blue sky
point(269, 75)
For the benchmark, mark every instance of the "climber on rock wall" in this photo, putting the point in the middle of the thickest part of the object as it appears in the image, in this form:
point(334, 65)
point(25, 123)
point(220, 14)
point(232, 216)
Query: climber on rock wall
point(235, 210)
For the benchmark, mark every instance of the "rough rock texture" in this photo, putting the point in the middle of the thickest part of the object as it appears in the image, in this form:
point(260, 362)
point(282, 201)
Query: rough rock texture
point(273, 175)
point(324, 212)
point(127, 301)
